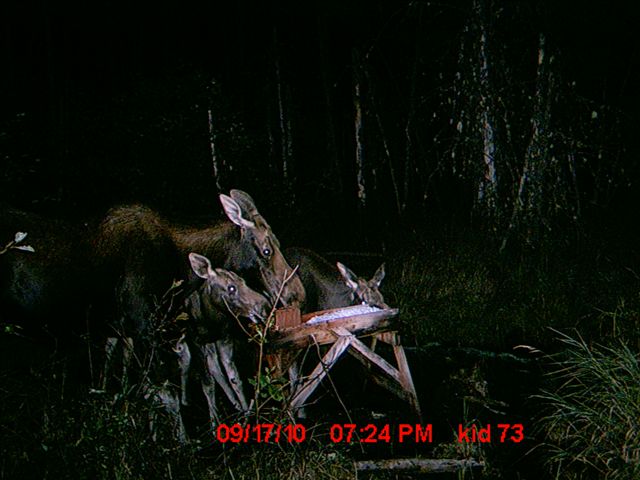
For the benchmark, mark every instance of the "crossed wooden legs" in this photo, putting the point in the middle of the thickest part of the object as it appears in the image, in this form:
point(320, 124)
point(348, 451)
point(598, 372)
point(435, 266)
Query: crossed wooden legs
point(395, 379)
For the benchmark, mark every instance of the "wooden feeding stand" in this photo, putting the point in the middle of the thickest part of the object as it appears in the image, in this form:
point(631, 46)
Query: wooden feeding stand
point(340, 328)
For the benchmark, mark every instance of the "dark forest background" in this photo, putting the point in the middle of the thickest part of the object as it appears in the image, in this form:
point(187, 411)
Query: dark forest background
point(486, 150)
point(306, 104)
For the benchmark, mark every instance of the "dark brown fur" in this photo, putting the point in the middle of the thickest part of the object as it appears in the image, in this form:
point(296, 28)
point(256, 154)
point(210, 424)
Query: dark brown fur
point(228, 245)
point(137, 261)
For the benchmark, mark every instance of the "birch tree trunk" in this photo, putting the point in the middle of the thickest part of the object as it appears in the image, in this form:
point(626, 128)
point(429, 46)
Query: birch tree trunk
point(284, 126)
point(214, 155)
point(488, 185)
point(358, 129)
point(528, 206)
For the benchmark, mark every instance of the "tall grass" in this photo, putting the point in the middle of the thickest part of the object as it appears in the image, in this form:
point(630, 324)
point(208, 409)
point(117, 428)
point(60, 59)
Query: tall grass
point(463, 292)
point(592, 418)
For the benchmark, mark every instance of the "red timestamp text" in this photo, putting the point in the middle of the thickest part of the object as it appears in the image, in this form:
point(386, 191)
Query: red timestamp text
point(372, 433)
point(261, 433)
point(501, 432)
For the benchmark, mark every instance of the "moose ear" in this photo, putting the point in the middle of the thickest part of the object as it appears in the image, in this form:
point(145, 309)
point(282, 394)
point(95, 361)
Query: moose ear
point(349, 277)
point(378, 276)
point(234, 212)
point(245, 201)
point(200, 265)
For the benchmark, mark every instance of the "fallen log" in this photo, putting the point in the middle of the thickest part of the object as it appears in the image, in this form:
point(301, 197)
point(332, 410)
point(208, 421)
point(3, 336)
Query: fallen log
point(420, 465)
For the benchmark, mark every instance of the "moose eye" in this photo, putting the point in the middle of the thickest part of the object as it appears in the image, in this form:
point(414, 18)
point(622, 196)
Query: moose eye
point(266, 252)
point(232, 289)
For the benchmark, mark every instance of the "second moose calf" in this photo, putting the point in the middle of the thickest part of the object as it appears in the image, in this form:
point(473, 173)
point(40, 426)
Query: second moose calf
point(328, 286)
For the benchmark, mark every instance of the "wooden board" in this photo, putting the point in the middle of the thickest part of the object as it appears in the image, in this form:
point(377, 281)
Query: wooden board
point(322, 332)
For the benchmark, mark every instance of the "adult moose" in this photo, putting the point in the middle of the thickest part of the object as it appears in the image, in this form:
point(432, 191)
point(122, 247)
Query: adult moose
point(248, 247)
point(328, 286)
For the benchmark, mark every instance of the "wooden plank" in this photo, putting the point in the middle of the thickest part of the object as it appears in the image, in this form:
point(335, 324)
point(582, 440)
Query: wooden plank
point(274, 361)
point(405, 377)
point(321, 333)
point(419, 465)
point(321, 370)
point(287, 317)
point(403, 367)
point(388, 337)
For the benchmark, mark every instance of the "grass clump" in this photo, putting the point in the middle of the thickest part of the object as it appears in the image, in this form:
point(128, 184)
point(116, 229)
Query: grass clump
point(592, 418)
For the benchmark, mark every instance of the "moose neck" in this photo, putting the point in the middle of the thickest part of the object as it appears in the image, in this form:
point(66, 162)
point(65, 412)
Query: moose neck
point(223, 244)
point(226, 247)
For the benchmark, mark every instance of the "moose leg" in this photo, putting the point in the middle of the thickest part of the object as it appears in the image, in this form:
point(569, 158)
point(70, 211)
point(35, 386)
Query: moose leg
point(127, 352)
point(225, 350)
point(294, 382)
point(165, 398)
point(109, 348)
point(171, 404)
point(184, 362)
point(214, 370)
point(209, 390)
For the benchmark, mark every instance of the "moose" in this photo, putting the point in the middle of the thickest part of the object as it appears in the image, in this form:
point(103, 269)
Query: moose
point(214, 308)
point(328, 286)
point(132, 238)
point(252, 248)
point(245, 245)
point(122, 265)
point(215, 301)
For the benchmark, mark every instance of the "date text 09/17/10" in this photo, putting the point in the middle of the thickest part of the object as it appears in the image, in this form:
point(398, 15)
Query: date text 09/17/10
point(369, 433)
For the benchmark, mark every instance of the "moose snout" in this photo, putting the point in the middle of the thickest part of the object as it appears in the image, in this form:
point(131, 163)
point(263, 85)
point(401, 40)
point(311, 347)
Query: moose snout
point(259, 311)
